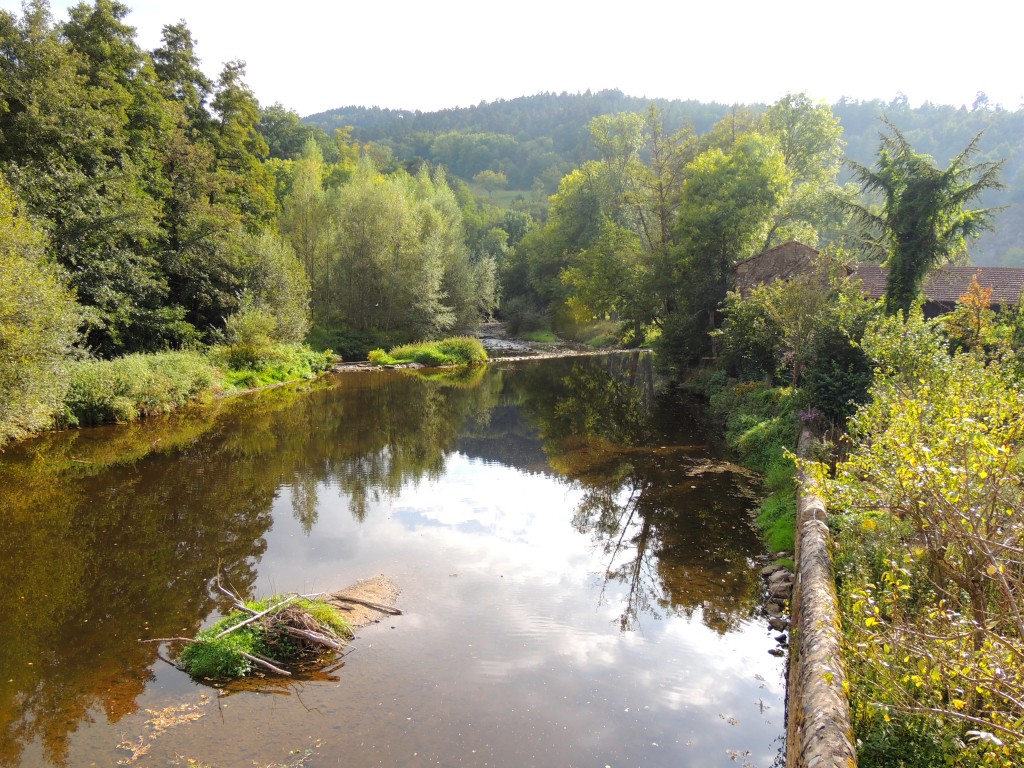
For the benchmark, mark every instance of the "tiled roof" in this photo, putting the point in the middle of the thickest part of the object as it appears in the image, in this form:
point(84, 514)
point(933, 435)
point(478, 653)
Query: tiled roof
point(945, 285)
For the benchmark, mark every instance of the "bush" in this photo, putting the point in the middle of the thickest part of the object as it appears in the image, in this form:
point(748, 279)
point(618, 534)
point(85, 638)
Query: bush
point(464, 349)
point(250, 337)
point(138, 385)
point(521, 315)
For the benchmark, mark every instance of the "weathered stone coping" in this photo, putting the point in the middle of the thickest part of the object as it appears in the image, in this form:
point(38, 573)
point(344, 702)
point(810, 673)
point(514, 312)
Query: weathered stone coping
point(367, 366)
point(819, 733)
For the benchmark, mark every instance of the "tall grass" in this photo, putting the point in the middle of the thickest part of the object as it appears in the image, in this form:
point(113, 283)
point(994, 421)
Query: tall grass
point(457, 350)
point(138, 385)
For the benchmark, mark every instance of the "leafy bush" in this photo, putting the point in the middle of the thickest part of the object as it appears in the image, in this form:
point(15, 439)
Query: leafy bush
point(521, 315)
point(932, 587)
point(135, 386)
point(250, 337)
point(463, 349)
point(348, 343)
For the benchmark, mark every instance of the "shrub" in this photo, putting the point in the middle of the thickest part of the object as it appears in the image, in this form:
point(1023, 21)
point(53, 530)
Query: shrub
point(348, 343)
point(521, 315)
point(137, 385)
point(278, 363)
point(464, 349)
point(250, 337)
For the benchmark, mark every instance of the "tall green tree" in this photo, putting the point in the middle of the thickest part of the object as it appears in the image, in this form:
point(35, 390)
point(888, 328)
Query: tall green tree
point(69, 127)
point(177, 66)
point(924, 219)
point(239, 146)
point(809, 136)
point(38, 325)
point(400, 265)
point(726, 209)
point(305, 221)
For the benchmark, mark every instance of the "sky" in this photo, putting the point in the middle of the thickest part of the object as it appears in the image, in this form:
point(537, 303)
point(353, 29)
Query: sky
point(315, 55)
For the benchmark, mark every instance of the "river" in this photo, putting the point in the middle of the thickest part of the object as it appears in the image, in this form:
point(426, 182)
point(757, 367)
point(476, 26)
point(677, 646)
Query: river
point(578, 575)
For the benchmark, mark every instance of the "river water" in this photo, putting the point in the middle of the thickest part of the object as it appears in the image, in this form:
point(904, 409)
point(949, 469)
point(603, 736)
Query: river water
point(579, 577)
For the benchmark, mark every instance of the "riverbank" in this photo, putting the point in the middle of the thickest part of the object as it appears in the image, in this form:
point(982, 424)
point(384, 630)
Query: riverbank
point(138, 386)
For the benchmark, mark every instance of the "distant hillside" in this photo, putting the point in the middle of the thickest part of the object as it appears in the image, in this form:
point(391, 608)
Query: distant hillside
point(535, 140)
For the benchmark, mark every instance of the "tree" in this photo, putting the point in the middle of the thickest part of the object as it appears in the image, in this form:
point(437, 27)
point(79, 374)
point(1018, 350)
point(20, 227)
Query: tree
point(727, 203)
point(491, 180)
point(77, 148)
point(924, 220)
point(809, 136)
point(240, 148)
point(305, 221)
point(38, 325)
point(285, 133)
point(177, 66)
point(399, 262)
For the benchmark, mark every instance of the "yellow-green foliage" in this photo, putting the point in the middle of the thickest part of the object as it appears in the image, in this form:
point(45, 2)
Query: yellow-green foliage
point(932, 551)
point(38, 321)
point(276, 363)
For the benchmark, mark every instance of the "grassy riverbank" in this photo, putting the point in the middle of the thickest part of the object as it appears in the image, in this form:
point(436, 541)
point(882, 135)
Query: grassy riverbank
point(457, 350)
point(761, 426)
point(136, 386)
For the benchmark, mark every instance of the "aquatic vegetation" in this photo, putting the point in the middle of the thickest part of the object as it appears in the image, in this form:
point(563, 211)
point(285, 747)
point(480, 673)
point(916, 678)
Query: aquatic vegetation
point(263, 634)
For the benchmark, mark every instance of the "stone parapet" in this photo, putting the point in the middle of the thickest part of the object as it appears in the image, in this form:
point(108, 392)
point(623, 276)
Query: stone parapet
point(819, 733)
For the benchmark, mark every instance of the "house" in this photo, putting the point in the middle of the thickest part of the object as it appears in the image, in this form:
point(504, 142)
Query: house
point(782, 262)
point(944, 285)
point(942, 288)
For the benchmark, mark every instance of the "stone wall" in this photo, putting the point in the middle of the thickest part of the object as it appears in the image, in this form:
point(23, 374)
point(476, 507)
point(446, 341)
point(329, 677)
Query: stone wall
point(819, 733)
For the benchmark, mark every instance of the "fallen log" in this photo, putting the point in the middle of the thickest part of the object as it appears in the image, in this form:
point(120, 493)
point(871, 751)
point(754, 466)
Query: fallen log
point(390, 610)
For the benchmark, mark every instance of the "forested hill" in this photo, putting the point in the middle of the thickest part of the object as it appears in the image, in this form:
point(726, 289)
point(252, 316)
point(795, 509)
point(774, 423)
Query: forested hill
point(535, 140)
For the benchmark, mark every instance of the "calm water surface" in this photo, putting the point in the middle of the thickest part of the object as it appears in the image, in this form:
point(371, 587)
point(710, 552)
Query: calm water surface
point(578, 575)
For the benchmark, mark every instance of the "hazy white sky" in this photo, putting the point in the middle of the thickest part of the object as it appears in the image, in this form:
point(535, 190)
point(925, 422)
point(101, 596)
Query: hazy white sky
point(313, 55)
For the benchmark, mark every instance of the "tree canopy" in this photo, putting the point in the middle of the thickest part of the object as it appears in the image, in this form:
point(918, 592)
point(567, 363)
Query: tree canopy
point(924, 219)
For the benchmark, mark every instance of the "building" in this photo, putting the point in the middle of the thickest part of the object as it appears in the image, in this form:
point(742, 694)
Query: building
point(942, 288)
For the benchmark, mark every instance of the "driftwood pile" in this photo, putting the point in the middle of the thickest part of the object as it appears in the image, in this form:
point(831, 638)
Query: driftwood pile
point(291, 629)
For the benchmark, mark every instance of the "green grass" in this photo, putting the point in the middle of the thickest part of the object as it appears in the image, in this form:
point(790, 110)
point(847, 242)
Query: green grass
point(284, 362)
point(213, 658)
point(136, 386)
point(542, 336)
point(457, 350)
point(761, 428)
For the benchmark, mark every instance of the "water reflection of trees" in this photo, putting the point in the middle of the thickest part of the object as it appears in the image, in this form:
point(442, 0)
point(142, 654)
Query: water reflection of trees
point(673, 524)
point(111, 535)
